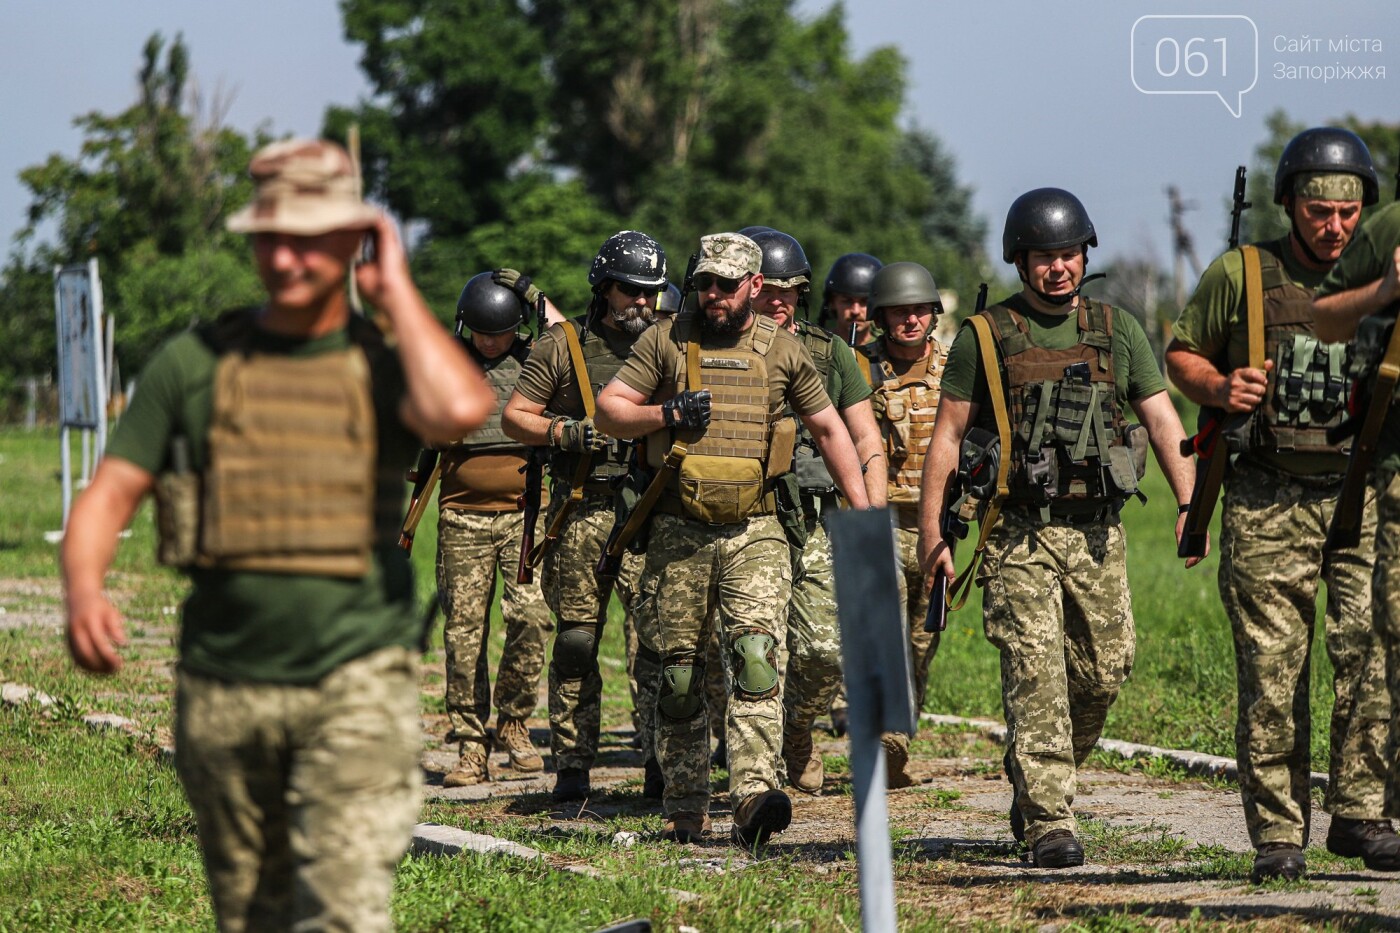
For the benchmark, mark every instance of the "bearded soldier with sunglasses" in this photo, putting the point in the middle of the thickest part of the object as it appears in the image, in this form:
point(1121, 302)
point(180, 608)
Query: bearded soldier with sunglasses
point(710, 391)
point(553, 407)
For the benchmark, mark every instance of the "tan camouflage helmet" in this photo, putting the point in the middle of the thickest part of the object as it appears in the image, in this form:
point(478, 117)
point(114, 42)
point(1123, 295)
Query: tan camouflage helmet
point(729, 255)
point(304, 187)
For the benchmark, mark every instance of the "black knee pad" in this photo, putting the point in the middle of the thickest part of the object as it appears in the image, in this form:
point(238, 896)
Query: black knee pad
point(575, 650)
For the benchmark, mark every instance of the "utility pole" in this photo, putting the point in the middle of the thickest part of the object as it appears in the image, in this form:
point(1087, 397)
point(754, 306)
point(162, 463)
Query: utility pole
point(1182, 249)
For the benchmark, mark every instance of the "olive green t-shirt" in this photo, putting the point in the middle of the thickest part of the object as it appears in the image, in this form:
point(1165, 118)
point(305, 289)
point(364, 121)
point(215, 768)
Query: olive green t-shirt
point(1135, 369)
point(267, 627)
point(1365, 259)
point(1215, 317)
point(792, 376)
point(548, 376)
point(844, 383)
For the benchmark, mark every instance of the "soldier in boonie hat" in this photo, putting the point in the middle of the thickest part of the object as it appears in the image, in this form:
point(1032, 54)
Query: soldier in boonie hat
point(304, 187)
point(729, 255)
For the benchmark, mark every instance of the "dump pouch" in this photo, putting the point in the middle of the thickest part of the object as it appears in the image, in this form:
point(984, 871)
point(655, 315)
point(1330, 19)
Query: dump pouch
point(1127, 464)
point(782, 446)
point(787, 494)
point(627, 493)
point(720, 490)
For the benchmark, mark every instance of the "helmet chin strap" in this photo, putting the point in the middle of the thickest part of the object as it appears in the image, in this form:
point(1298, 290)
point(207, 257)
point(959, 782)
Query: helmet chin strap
point(1059, 301)
point(1302, 242)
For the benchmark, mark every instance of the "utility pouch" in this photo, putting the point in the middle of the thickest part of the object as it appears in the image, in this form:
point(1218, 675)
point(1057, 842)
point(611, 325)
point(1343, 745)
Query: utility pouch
point(788, 495)
point(177, 518)
point(720, 490)
point(781, 448)
point(1128, 463)
point(1043, 475)
point(896, 416)
point(627, 494)
point(978, 462)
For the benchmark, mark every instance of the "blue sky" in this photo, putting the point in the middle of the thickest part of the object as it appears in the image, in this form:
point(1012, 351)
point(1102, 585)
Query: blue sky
point(1023, 94)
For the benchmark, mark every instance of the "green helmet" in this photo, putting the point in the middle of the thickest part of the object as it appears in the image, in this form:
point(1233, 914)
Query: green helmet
point(903, 283)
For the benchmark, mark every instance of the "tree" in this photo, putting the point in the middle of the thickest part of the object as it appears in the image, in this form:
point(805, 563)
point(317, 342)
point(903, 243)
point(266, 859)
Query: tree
point(147, 196)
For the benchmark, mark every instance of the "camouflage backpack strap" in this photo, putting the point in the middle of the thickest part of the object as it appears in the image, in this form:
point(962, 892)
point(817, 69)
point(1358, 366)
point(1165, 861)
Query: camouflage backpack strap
point(987, 346)
point(584, 466)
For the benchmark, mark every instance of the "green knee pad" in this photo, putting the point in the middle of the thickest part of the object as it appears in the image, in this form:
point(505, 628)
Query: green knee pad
point(682, 696)
point(755, 670)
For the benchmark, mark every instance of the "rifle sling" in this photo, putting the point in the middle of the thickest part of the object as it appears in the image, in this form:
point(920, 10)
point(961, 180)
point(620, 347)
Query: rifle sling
point(1254, 304)
point(671, 462)
point(962, 583)
point(1346, 519)
point(585, 460)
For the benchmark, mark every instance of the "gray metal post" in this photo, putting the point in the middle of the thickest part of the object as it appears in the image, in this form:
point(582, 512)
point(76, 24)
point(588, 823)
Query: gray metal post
point(879, 689)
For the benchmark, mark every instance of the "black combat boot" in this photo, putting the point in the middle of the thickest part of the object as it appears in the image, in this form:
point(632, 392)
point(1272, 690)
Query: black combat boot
point(1375, 842)
point(1278, 860)
point(571, 784)
point(1057, 849)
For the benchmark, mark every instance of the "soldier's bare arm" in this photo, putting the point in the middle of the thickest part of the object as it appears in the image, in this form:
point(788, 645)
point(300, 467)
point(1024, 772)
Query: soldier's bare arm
point(1339, 314)
point(623, 412)
point(447, 395)
point(940, 464)
point(525, 421)
point(839, 454)
point(870, 449)
point(1158, 415)
point(95, 629)
point(1200, 381)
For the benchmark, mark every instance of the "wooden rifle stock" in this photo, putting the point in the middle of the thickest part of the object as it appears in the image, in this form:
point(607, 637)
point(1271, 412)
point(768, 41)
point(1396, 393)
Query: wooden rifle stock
point(424, 477)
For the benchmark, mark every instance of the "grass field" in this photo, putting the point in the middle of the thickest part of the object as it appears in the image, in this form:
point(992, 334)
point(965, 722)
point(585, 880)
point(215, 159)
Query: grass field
point(95, 834)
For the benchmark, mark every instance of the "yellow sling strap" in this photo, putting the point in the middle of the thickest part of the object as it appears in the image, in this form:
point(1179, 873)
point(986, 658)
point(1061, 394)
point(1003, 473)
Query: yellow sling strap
point(962, 584)
point(671, 462)
point(1254, 304)
point(585, 460)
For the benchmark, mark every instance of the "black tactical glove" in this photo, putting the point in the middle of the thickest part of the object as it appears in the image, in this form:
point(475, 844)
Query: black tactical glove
point(581, 436)
point(518, 283)
point(687, 410)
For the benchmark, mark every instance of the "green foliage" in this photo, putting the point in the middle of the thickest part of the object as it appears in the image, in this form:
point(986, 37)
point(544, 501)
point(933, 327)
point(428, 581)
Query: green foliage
point(677, 117)
point(147, 196)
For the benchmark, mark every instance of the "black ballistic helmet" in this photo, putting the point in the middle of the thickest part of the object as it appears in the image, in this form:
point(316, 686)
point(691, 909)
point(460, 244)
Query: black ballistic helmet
point(488, 308)
point(753, 231)
point(669, 301)
point(1326, 149)
point(784, 262)
point(851, 274)
point(629, 256)
point(1046, 218)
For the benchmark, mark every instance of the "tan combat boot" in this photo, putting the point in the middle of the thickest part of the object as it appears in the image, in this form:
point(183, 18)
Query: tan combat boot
point(804, 766)
point(896, 760)
point(471, 767)
point(514, 736)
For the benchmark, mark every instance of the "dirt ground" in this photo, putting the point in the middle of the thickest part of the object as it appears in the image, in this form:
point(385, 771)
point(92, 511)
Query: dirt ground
point(1166, 851)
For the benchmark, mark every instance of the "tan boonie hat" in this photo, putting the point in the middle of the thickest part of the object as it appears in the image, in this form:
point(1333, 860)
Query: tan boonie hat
point(729, 255)
point(1328, 186)
point(303, 187)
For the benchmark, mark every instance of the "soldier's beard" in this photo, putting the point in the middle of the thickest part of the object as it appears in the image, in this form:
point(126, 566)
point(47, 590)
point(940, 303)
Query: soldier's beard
point(730, 323)
point(634, 319)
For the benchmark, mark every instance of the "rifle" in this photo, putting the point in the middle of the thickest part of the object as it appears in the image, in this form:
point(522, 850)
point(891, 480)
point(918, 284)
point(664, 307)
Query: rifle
point(424, 477)
point(1218, 434)
point(530, 500)
point(1344, 531)
point(1240, 206)
point(627, 523)
point(954, 522)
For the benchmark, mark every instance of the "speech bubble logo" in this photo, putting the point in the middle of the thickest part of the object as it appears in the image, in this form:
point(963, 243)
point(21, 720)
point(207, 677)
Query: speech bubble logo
point(1214, 54)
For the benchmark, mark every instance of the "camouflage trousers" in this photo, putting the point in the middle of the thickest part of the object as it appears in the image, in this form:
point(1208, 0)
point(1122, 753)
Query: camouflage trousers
point(1055, 604)
point(571, 590)
point(744, 571)
point(1272, 530)
point(305, 797)
point(1386, 600)
point(813, 637)
point(472, 547)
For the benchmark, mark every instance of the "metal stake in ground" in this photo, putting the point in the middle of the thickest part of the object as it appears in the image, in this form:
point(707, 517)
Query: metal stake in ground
point(879, 689)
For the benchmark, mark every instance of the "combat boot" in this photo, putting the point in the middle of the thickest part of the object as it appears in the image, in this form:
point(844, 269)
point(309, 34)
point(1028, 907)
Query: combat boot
point(1057, 849)
point(685, 826)
point(896, 760)
point(1278, 860)
point(571, 784)
point(840, 722)
point(514, 736)
point(760, 816)
point(472, 767)
point(1018, 822)
point(1375, 842)
point(653, 782)
point(804, 765)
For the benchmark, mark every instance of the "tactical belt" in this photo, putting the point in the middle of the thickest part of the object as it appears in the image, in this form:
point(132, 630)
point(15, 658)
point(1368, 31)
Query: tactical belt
point(585, 459)
point(1211, 444)
point(962, 583)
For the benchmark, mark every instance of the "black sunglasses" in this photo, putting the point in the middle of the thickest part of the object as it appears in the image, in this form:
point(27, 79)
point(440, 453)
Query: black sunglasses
point(705, 280)
point(636, 291)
